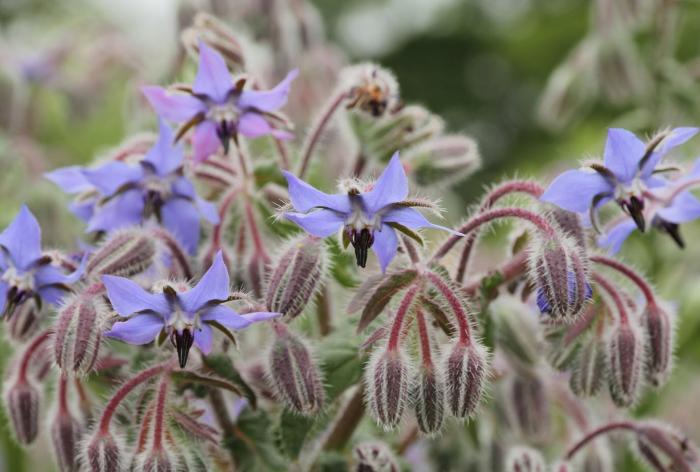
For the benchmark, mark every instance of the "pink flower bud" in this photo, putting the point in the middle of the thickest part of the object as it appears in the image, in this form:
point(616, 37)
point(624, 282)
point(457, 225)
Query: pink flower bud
point(156, 461)
point(664, 448)
point(443, 160)
point(298, 275)
point(124, 253)
point(374, 456)
point(22, 401)
point(464, 368)
point(570, 225)
point(65, 432)
point(659, 327)
point(625, 355)
point(429, 400)
point(102, 453)
point(529, 406)
point(294, 372)
point(590, 368)
point(79, 332)
point(23, 322)
point(387, 381)
point(525, 459)
point(216, 35)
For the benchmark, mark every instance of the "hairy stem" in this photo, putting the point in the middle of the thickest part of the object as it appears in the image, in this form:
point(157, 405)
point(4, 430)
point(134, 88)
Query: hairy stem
point(606, 285)
point(401, 313)
point(29, 352)
point(628, 425)
point(347, 421)
point(456, 305)
point(630, 273)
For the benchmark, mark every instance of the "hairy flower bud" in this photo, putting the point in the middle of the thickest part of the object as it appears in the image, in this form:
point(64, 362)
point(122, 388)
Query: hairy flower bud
point(517, 332)
point(298, 275)
point(387, 380)
point(465, 368)
point(589, 370)
point(560, 273)
point(443, 160)
point(659, 328)
point(625, 356)
point(155, 461)
point(102, 453)
point(65, 435)
point(23, 322)
point(374, 456)
point(525, 459)
point(529, 406)
point(571, 226)
point(22, 401)
point(216, 35)
point(124, 253)
point(79, 332)
point(294, 372)
point(429, 399)
point(664, 448)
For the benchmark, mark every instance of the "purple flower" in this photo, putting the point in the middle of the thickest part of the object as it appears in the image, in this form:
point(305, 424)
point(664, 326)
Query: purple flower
point(370, 218)
point(119, 194)
point(668, 207)
point(186, 316)
point(24, 271)
point(626, 175)
point(219, 108)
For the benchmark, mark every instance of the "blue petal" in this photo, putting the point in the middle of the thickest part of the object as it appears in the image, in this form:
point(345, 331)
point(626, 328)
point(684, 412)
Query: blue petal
point(141, 329)
point(623, 151)
point(205, 141)
point(51, 294)
point(617, 235)
point(83, 209)
point(22, 239)
point(203, 338)
point(319, 223)
point(128, 298)
point(175, 107)
point(411, 218)
point(207, 210)
point(674, 139)
point(165, 156)
point(685, 207)
point(226, 316)
point(253, 125)
point(391, 187)
point(3, 296)
point(213, 77)
point(123, 210)
point(385, 245)
point(181, 218)
point(110, 177)
point(574, 190)
point(270, 100)
point(214, 285)
point(69, 179)
point(304, 197)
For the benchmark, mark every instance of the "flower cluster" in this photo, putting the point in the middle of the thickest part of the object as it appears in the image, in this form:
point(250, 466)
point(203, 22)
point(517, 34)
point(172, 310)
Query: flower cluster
point(284, 369)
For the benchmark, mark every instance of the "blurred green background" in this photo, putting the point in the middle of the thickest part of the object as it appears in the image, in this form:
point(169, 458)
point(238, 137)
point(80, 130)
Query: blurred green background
point(536, 82)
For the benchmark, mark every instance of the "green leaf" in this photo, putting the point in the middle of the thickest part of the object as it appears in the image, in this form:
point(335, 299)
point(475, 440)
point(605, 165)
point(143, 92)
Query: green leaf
point(187, 376)
point(222, 365)
point(252, 443)
point(407, 231)
point(341, 363)
point(383, 294)
point(292, 431)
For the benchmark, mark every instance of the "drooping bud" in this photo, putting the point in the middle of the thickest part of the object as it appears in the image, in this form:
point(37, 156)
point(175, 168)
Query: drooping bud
point(625, 356)
point(465, 368)
point(562, 466)
point(22, 401)
point(374, 456)
point(443, 160)
point(596, 457)
point(525, 459)
point(589, 370)
point(216, 35)
point(560, 273)
point(298, 275)
point(387, 380)
point(659, 327)
point(664, 448)
point(517, 332)
point(155, 461)
point(372, 89)
point(124, 253)
point(102, 453)
point(65, 436)
point(294, 372)
point(571, 225)
point(23, 322)
point(429, 399)
point(529, 406)
point(79, 333)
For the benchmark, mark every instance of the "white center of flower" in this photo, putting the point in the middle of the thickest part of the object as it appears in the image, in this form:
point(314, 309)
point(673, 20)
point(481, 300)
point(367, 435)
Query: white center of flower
point(359, 219)
point(226, 112)
point(181, 320)
point(635, 188)
point(23, 281)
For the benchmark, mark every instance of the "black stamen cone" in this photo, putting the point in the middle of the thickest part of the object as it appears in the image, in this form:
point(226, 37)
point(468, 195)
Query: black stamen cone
point(223, 131)
point(362, 241)
point(183, 342)
point(635, 208)
point(673, 230)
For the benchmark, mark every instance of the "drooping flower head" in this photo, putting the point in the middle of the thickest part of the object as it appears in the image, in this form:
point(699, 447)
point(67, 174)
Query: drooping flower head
point(120, 194)
point(220, 108)
point(185, 315)
point(25, 272)
point(626, 175)
point(370, 217)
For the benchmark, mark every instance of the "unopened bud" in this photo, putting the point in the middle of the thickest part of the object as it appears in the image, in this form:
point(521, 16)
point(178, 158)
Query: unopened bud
point(623, 73)
point(372, 89)
point(443, 160)
point(625, 356)
point(589, 371)
point(79, 332)
point(517, 332)
point(216, 35)
point(294, 372)
point(429, 399)
point(102, 453)
point(387, 380)
point(374, 456)
point(65, 437)
point(155, 461)
point(525, 459)
point(22, 401)
point(298, 275)
point(125, 253)
point(664, 448)
point(23, 322)
point(529, 406)
point(659, 328)
point(571, 225)
point(597, 457)
point(465, 368)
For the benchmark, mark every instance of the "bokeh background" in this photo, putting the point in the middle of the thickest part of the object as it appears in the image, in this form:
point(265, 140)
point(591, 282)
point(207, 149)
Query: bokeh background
point(536, 82)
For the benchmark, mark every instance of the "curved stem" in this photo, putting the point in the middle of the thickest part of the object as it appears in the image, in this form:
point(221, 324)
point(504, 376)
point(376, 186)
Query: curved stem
point(347, 421)
point(283, 154)
point(410, 249)
point(508, 271)
point(606, 285)
point(486, 217)
point(455, 304)
point(32, 348)
point(242, 160)
point(63, 396)
point(424, 337)
point(401, 313)
point(628, 272)
point(318, 128)
point(255, 232)
point(159, 419)
point(628, 425)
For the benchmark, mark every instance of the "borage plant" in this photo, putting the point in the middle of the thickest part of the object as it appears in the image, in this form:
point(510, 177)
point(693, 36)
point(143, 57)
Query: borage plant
point(515, 360)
